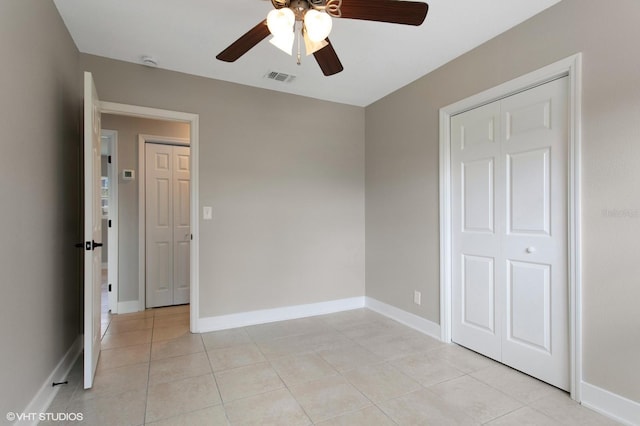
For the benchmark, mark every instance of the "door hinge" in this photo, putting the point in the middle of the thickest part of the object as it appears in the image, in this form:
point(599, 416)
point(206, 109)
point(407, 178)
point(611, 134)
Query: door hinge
point(109, 159)
point(87, 245)
point(109, 287)
point(109, 223)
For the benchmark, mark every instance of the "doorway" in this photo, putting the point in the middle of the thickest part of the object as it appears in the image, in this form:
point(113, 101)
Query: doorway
point(131, 191)
point(136, 302)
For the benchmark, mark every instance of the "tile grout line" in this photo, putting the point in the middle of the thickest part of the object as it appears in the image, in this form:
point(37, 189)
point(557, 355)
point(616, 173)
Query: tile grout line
point(146, 393)
point(215, 379)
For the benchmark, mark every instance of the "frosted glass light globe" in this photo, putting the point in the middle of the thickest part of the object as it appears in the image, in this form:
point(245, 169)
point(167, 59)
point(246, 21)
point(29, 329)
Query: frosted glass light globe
point(318, 25)
point(280, 21)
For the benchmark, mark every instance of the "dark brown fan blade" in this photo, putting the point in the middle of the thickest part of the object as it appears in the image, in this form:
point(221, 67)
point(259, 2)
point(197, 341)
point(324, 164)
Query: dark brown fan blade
point(393, 11)
point(242, 45)
point(328, 60)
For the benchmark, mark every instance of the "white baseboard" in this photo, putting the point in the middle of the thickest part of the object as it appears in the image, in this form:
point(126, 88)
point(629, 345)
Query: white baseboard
point(407, 318)
point(263, 316)
point(607, 403)
point(43, 398)
point(128, 307)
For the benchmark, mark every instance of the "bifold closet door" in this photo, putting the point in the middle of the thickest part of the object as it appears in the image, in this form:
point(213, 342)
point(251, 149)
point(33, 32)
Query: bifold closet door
point(168, 232)
point(509, 231)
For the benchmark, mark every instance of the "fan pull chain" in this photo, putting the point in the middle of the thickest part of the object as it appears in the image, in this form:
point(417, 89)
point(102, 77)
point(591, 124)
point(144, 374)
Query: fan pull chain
point(299, 56)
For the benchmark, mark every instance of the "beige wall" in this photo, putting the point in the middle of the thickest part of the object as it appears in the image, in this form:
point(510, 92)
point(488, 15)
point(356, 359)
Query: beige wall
point(289, 203)
point(285, 177)
point(40, 106)
point(402, 174)
point(128, 129)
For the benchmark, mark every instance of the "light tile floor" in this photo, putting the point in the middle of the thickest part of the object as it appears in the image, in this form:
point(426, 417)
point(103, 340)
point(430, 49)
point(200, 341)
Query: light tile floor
point(349, 368)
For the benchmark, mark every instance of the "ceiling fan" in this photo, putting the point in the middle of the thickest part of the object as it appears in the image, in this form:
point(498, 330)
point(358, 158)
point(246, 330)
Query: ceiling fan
point(311, 20)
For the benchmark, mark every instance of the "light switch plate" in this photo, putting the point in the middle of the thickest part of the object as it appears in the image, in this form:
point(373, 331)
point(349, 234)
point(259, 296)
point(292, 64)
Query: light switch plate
point(207, 213)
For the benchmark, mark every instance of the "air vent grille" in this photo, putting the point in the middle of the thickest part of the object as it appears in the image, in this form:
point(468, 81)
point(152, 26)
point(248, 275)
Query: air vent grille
point(280, 76)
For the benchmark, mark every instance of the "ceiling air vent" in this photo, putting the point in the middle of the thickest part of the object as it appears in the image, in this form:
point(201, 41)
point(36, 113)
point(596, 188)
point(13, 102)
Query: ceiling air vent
point(280, 76)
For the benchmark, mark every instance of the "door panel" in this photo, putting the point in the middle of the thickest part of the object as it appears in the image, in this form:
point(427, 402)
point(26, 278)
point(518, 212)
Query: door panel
point(161, 206)
point(475, 243)
point(539, 237)
point(531, 117)
point(528, 192)
point(529, 305)
point(509, 231)
point(182, 224)
point(92, 230)
point(478, 131)
point(477, 196)
point(159, 232)
point(478, 292)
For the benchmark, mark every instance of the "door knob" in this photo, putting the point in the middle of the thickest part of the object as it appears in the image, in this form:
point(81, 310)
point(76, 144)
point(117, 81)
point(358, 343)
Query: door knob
point(89, 245)
point(531, 249)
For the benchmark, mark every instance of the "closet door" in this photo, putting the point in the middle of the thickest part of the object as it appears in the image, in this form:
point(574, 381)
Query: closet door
point(181, 225)
point(509, 240)
point(159, 225)
point(477, 229)
point(536, 291)
point(168, 231)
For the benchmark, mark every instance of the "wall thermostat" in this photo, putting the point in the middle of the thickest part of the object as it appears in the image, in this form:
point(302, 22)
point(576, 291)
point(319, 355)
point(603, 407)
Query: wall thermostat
point(128, 174)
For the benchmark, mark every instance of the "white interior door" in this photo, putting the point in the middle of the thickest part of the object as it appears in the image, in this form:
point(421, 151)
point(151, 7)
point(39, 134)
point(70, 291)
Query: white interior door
point(181, 224)
point(509, 233)
point(92, 230)
point(477, 229)
point(168, 231)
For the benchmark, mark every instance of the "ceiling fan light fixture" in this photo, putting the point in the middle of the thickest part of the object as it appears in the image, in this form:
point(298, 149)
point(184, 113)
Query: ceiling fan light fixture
point(284, 42)
point(281, 21)
point(318, 25)
point(311, 46)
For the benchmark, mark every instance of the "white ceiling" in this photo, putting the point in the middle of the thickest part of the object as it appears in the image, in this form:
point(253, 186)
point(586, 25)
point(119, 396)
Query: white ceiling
point(378, 58)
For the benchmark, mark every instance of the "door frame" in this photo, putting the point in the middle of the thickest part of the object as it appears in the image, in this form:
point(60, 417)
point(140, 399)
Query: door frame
point(194, 135)
point(142, 207)
point(572, 68)
point(110, 140)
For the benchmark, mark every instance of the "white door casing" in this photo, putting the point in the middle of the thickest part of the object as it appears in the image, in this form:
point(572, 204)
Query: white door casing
point(168, 232)
point(92, 230)
point(509, 231)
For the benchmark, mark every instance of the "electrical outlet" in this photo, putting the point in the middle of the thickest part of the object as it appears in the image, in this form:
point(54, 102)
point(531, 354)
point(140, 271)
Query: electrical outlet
point(417, 297)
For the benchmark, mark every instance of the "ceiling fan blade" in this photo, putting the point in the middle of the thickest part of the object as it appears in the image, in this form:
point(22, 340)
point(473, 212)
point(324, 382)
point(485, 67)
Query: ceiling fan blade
point(328, 60)
point(242, 45)
point(393, 11)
